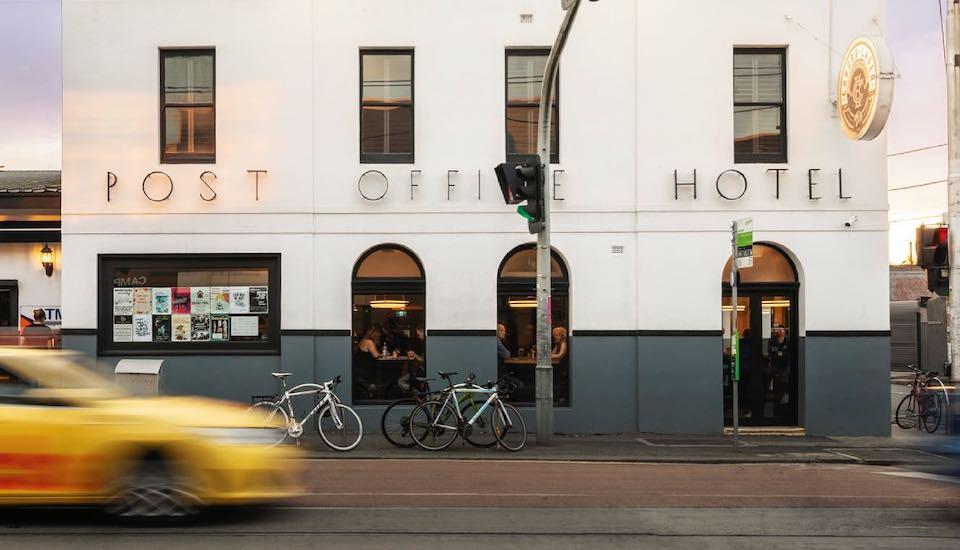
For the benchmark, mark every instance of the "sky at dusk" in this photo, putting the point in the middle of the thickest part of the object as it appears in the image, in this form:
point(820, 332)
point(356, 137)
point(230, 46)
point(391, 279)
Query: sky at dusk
point(30, 96)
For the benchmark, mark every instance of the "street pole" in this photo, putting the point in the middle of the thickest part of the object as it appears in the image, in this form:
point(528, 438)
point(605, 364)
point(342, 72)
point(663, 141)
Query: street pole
point(544, 369)
point(734, 338)
point(953, 167)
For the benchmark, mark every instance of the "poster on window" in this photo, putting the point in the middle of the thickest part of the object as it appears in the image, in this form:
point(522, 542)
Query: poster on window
point(219, 328)
point(142, 301)
point(180, 300)
point(244, 325)
point(239, 299)
point(123, 301)
point(142, 328)
point(161, 328)
point(181, 328)
point(258, 299)
point(199, 328)
point(161, 301)
point(123, 327)
point(220, 299)
point(199, 300)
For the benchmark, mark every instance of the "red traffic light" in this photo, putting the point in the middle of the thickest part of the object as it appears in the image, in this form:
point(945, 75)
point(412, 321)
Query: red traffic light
point(941, 236)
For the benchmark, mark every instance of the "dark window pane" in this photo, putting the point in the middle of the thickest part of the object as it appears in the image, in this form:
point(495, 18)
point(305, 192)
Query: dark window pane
point(757, 131)
point(386, 129)
point(188, 78)
point(524, 74)
point(189, 130)
point(522, 131)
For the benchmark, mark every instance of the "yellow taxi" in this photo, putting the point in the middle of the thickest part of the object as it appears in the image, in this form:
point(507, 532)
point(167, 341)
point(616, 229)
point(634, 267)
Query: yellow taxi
point(67, 436)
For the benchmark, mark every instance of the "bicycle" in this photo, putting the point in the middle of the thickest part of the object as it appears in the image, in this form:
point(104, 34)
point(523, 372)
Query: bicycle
point(395, 421)
point(922, 408)
point(436, 424)
point(338, 425)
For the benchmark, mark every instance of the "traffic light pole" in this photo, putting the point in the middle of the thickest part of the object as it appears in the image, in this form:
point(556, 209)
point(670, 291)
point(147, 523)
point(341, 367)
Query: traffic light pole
point(953, 209)
point(544, 369)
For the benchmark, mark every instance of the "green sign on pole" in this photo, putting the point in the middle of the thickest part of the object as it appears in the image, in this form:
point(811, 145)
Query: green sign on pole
point(744, 243)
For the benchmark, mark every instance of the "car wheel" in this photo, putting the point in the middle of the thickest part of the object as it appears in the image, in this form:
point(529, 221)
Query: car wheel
point(152, 490)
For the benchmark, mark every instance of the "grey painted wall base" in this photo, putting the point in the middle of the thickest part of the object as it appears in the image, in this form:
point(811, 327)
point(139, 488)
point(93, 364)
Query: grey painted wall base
point(846, 385)
point(657, 384)
point(680, 388)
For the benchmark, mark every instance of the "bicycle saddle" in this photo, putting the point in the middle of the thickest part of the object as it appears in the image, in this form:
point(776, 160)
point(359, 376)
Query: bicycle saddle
point(446, 374)
point(422, 379)
point(281, 374)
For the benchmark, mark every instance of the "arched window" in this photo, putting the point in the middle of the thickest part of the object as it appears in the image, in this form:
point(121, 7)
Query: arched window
point(517, 320)
point(389, 307)
point(767, 339)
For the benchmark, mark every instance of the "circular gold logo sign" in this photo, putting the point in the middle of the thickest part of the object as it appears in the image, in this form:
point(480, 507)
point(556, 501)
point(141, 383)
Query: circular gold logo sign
point(864, 94)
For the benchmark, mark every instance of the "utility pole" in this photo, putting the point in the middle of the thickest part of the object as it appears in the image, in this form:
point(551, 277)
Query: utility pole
point(953, 168)
point(544, 369)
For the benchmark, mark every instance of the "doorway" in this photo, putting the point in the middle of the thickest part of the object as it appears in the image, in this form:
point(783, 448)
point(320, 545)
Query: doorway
point(768, 328)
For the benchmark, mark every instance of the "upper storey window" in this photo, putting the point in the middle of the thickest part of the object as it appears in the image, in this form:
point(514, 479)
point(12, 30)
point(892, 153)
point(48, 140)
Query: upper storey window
point(760, 105)
point(386, 106)
point(187, 106)
point(525, 68)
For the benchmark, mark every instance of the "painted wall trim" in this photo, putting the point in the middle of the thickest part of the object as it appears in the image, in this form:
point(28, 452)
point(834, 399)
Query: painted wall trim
point(479, 332)
point(79, 332)
point(653, 333)
point(847, 333)
point(309, 332)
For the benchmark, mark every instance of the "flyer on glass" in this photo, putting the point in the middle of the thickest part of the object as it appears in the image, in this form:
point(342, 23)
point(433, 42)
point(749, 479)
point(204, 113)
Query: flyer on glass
point(220, 299)
point(142, 301)
point(123, 301)
point(161, 301)
point(199, 300)
point(199, 327)
point(181, 328)
point(142, 329)
point(239, 299)
point(181, 300)
point(219, 328)
point(123, 328)
point(161, 328)
point(258, 299)
point(244, 325)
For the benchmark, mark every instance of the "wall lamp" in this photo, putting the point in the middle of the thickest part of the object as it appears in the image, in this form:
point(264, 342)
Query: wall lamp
point(46, 258)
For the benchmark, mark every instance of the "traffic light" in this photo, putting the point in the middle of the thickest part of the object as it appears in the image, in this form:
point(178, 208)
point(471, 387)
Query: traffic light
point(933, 255)
point(524, 182)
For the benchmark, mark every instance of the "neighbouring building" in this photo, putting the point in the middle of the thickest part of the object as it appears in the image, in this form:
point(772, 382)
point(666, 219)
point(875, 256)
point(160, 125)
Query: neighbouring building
point(300, 186)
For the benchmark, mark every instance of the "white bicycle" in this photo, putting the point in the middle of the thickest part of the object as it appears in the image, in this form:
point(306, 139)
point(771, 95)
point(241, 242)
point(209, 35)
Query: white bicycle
point(338, 425)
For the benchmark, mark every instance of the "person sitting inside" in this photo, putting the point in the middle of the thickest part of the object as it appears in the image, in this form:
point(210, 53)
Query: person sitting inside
point(559, 350)
point(38, 333)
point(366, 355)
point(502, 351)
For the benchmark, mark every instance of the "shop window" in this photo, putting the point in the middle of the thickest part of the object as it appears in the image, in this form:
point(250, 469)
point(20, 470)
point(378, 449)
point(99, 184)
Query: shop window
point(524, 80)
point(760, 105)
point(187, 106)
point(8, 304)
point(189, 303)
point(517, 321)
point(389, 311)
point(386, 106)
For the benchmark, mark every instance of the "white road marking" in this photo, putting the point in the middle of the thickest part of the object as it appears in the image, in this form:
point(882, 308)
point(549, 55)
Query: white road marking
point(922, 475)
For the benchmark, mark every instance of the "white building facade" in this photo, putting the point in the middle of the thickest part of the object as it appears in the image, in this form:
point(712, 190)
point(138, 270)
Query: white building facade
point(323, 173)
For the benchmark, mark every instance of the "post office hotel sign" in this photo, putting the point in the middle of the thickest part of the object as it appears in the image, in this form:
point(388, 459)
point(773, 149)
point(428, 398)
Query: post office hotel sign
point(865, 92)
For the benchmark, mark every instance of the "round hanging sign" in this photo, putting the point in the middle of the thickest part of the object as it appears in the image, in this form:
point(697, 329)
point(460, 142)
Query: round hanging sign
point(865, 92)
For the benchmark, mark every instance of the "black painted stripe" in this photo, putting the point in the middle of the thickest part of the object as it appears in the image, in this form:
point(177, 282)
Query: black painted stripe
point(79, 331)
point(479, 332)
point(309, 332)
point(30, 236)
point(847, 333)
point(19, 224)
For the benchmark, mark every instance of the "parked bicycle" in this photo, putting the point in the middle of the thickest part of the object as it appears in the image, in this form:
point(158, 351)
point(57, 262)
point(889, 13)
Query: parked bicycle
point(436, 424)
point(338, 425)
point(395, 422)
point(924, 406)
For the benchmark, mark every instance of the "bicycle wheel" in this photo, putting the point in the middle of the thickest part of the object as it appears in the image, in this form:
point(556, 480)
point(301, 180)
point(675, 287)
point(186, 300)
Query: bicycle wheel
point(395, 423)
point(480, 433)
point(906, 416)
point(343, 435)
point(934, 413)
point(434, 425)
point(509, 427)
point(270, 416)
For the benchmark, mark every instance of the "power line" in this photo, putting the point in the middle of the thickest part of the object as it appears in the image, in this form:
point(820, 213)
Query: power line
point(917, 185)
point(917, 150)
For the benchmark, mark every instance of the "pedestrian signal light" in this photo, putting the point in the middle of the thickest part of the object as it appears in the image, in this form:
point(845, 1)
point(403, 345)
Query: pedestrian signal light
point(524, 182)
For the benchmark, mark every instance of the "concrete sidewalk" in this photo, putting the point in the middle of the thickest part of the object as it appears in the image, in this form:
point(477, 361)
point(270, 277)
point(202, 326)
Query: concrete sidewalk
point(901, 449)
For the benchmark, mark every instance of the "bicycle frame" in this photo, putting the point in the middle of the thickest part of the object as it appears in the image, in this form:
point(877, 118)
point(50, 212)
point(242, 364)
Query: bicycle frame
point(328, 399)
point(494, 398)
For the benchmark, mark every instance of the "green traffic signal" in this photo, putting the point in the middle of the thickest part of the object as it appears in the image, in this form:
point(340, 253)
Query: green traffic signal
point(523, 212)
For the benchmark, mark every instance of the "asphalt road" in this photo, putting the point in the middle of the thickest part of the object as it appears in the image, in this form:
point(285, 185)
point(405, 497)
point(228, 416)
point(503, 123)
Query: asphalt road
point(515, 504)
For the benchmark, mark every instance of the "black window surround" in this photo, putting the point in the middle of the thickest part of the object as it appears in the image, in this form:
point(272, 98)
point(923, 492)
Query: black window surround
point(108, 262)
point(388, 158)
point(186, 158)
point(759, 158)
point(508, 103)
point(12, 313)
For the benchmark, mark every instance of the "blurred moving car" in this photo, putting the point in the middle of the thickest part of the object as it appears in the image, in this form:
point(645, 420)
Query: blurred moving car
point(67, 436)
